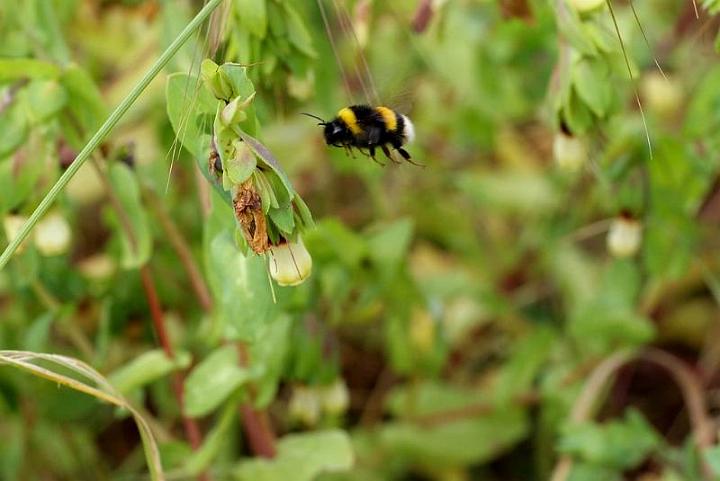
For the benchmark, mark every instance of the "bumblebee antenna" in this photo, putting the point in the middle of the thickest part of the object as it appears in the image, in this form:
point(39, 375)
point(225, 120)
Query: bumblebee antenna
point(322, 122)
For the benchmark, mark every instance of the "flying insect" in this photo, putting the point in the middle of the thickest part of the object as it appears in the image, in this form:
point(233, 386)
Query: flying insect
point(368, 128)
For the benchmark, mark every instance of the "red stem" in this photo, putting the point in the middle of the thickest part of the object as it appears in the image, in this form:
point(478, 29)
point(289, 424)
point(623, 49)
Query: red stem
point(256, 423)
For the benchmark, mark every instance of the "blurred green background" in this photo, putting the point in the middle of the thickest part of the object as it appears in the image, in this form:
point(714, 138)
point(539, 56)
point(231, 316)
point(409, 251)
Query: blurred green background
point(538, 301)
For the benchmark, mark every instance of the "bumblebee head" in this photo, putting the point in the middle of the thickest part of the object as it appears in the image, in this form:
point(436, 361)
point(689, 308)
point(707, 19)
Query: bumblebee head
point(335, 131)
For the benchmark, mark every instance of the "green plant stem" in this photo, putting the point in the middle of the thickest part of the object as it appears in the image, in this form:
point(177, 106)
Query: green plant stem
point(105, 129)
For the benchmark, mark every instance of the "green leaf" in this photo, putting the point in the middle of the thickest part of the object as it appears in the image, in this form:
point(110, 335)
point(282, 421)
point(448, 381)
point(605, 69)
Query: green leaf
point(270, 353)
point(14, 127)
point(85, 101)
point(470, 441)
point(510, 191)
point(252, 16)
point(304, 212)
point(712, 458)
point(530, 353)
point(283, 218)
point(239, 284)
point(146, 368)
point(213, 380)
point(215, 440)
point(241, 165)
point(187, 101)
point(577, 114)
point(13, 449)
point(593, 472)
point(571, 27)
point(456, 443)
point(136, 250)
point(609, 318)
point(333, 239)
point(592, 84)
point(297, 32)
point(617, 444)
point(21, 68)
point(388, 246)
point(268, 158)
point(37, 334)
point(44, 99)
point(301, 457)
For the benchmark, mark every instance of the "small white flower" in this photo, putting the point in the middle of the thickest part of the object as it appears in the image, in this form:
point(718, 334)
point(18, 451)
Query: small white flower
point(290, 263)
point(53, 235)
point(12, 225)
point(569, 151)
point(335, 397)
point(97, 267)
point(624, 236)
point(304, 405)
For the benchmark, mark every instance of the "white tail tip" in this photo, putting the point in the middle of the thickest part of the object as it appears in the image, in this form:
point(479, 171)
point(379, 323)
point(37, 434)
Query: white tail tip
point(409, 129)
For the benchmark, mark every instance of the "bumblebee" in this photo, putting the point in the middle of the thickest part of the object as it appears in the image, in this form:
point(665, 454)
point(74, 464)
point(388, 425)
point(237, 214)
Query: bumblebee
point(368, 128)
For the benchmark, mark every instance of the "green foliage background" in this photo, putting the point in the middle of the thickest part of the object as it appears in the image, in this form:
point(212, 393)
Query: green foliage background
point(465, 320)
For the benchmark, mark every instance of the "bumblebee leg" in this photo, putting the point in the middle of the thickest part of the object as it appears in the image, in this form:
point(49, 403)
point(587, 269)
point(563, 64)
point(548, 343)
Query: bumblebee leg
point(388, 154)
point(407, 157)
point(348, 151)
point(371, 151)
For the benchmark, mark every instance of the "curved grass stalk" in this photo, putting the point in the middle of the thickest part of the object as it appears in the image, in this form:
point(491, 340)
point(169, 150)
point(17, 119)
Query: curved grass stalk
point(104, 391)
point(106, 127)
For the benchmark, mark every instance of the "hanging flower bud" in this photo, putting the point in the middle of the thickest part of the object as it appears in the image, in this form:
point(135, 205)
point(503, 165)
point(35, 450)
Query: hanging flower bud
point(569, 151)
point(12, 225)
point(98, 267)
point(624, 236)
point(290, 263)
point(335, 397)
point(53, 235)
point(216, 79)
point(664, 96)
point(583, 6)
point(304, 405)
